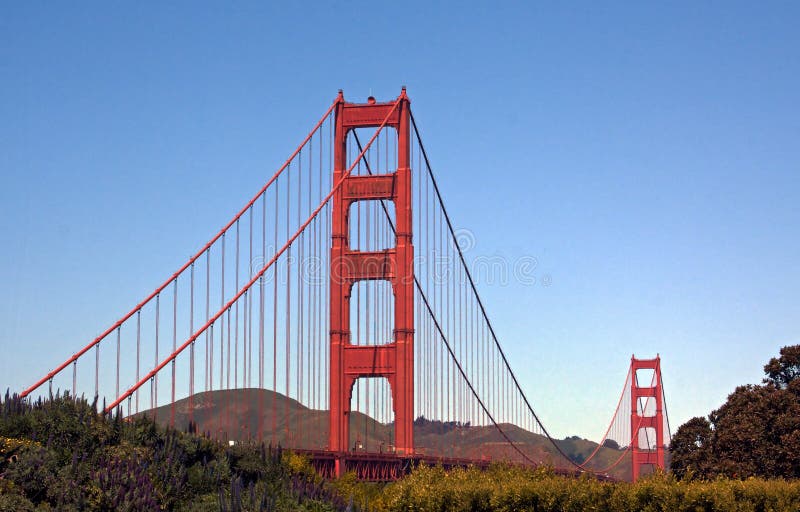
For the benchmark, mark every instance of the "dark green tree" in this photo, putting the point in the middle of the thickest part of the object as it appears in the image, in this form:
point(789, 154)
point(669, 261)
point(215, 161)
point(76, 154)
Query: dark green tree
point(610, 443)
point(756, 432)
point(690, 448)
point(782, 371)
point(751, 429)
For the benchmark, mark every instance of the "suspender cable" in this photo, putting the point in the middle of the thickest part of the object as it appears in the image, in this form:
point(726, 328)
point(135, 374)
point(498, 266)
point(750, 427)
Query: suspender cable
point(166, 283)
point(236, 312)
point(116, 389)
point(228, 359)
point(261, 285)
point(288, 325)
point(97, 372)
point(191, 350)
point(208, 311)
point(154, 402)
point(250, 283)
point(481, 307)
point(222, 322)
point(174, 346)
point(249, 305)
point(275, 330)
point(138, 350)
point(261, 297)
point(299, 371)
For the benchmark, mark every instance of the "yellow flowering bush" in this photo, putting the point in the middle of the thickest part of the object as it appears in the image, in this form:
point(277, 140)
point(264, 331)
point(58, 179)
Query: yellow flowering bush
point(10, 444)
point(507, 489)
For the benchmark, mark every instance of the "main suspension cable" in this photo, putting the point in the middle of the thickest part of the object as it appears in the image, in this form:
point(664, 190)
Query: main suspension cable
point(480, 302)
point(243, 291)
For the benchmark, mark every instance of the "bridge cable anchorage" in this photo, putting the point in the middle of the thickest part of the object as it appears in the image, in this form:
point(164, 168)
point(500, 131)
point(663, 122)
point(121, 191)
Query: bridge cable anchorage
point(210, 322)
point(482, 308)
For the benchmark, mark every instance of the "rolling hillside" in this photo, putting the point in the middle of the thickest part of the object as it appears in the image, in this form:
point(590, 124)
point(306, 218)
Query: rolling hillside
point(238, 415)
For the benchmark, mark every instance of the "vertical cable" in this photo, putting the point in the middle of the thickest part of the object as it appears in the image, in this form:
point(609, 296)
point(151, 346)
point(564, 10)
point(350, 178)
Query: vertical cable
point(245, 343)
point(236, 313)
point(138, 353)
point(447, 324)
point(327, 247)
point(275, 326)
point(174, 346)
point(299, 362)
point(191, 347)
point(211, 380)
point(97, 371)
point(463, 316)
point(228, 325)
point(116, 392)
point(321, 255)
point(313, 314)
point(208, 311)
point(261, 285)
point(299, 386)
point(222, 320)
point(249, 305)
point(288, 300)
point(155, 377)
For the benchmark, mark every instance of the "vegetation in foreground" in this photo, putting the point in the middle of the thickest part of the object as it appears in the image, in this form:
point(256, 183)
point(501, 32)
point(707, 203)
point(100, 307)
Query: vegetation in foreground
point(60, 454)
point(503, 488)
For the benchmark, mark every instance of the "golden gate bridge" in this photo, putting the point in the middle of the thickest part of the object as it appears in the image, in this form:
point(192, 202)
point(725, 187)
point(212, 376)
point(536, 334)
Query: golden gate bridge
point(336, 314)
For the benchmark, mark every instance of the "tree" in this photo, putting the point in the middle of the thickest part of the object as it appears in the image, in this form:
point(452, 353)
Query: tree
point(782, 371)
point(750, 430)
point(690, 448)
point(756, 432)
point(610, 443)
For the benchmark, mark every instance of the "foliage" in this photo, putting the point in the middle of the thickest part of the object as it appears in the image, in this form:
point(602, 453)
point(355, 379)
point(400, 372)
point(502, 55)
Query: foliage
point(61, 454)
point(690, 448)
point(438, 426)
point(507, 488)
point(782, 371)
point(756, 432)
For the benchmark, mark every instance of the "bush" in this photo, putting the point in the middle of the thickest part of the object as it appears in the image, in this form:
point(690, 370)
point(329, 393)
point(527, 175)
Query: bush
point(61, 454)
point(517, 489)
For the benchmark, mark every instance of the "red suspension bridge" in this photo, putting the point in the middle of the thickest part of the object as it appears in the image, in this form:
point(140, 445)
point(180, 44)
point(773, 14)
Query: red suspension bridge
point(327, 318)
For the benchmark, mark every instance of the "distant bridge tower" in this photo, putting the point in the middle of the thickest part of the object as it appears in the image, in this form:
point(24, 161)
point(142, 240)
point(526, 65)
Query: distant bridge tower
point(394, 360)
point(646, 417)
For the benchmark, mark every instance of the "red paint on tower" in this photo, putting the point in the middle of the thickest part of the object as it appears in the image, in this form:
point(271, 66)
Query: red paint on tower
point(647, 457)
point(395, 360)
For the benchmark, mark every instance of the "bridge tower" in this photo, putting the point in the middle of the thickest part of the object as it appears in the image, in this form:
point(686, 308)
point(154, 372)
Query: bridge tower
point(395, 359)
point(644, 419)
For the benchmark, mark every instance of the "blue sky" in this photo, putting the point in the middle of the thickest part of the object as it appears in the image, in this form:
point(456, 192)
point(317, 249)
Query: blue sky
point(646, 155)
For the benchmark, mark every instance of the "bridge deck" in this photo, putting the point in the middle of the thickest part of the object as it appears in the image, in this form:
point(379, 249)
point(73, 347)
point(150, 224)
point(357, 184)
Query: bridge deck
point(386, 467)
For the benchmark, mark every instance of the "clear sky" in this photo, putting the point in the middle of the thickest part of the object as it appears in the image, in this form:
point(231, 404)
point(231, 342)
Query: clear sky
point(646, 155)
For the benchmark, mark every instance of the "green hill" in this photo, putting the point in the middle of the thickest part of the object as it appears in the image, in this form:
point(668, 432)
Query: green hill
point(240, 414)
